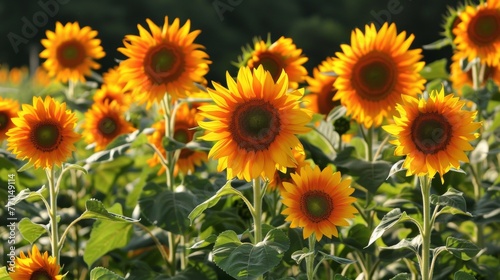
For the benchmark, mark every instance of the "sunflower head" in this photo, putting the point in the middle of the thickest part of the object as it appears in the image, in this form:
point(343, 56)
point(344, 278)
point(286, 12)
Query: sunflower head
point(281, 176)
point(43, 133)
point(276, 57)
point(321, 89)
point(8, 111)
point(459, 78)
point(36, 266)
point(254, 122)
point(318, 201)
point(112, 92)
point(374, 71)
point(165, 60)
point(433, 134)
point(70, 52)
point(450, 20)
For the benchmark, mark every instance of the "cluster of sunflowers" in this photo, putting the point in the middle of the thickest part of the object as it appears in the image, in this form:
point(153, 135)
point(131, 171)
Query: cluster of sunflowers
point(261, 178)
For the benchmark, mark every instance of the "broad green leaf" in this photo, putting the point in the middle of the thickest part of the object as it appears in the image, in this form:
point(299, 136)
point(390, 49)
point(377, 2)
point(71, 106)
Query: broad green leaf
point(461, 248)
point(205, 242)
point(401, 276)
point(388, 221)
point(106, 155)
point(300, 255)
point(246, 260)
point(407, 243)
point(106, 236)
point(227, 189)
point(139, 141)
point(358, 237)
point(462, 275)
point(95, 210)
point(395, 168)
point(101, 273)
point(451, 198)
point(336, 259)
point(4, 275)
point(24, 194)
point(166, 209)
point(170, 144)
point(435, 70)
point(31, 231)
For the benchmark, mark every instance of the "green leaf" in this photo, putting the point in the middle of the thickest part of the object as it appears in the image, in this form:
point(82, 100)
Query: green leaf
point(96, 210)
point(452, 198)
point(101, 273)
point(358, 237)
point(4, 275)
point(443, 42)
point(300, 255)
point(205, 242)
point(336, 259)
point(25, 167)
point(389, 220)
point(25, 194)
point(407, 243)
point(461, 248)
point(246, 260)
point(480, 152)
point(31, 231)
point(170, 144)
point(462, 275)
point(340, 277)
point(401, 276)
point(227, 189)
point(107, 235)
point(166, 209)
point(435, 70)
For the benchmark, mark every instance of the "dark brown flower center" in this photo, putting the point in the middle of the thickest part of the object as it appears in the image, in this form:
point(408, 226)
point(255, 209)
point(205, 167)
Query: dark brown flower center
point(484, 28)
point(254, 125)
point(163, 64)
point(40, 274)
point(316, 205)
point(108, 127)
point(4, 120)
point(271, 63)
point(46, 136)
point(431, 132)
point(325, 100)
point(71, 54)
point(374, 76)
point(184, 135)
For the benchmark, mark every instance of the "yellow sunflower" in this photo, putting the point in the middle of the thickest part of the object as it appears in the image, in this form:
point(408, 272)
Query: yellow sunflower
point(433, 134)
point(103, 123)
point(254, 123)
point(43, 133)
point(71, 51)
point(460, 78)
point(276, 182)
point(318, 201)
point(8, 110)
point(164, 61)
point(478, 33)
point(322, 91)
point(112, 92)
point(275, 57)
point(374, 71)
point(36, 266)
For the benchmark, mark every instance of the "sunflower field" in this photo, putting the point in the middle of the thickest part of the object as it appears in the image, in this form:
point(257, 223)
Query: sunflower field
point(374, 164)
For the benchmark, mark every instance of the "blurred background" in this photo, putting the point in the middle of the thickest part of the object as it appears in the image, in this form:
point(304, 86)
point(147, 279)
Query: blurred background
point(318, 27)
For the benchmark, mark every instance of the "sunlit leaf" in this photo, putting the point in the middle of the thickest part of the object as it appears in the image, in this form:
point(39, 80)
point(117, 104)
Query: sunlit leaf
point(388, 221)
point(401, 276)
point(95, 210)
point(462, 275)
point(435, 70)
point(31, 231)
point(101, 273)
point(407, 243)
point(461, 248)
point(480, 152)
point(452, 198)
point(4, 275)
point(336, 259)
point(300, 255)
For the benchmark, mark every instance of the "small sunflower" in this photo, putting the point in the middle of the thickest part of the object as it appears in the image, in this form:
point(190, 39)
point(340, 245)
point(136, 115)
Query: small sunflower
point(112, 92)
point(43, 133)
point(71, 51)
point(103, 123)
point(374, 71)
point(112, 77)
point(164, 61)
point(451, 21)
point(276, 182)
point(318, 201)
point(459, 78)
point(276, 57)
point(322, 91)
point(8, 111)
point(254, 123)
point(433, 134)
point(36, 266)
point(478, 33)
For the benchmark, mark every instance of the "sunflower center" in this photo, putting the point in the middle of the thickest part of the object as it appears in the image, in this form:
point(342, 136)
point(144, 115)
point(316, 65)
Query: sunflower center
point(107, 126)
point(374, 76)
point(70, 54)
point(163, 64)
point(270, 63)
point(431, 132)
point(316, 205)
point(326, 102)
point(40, 274)
point(254, 125)
point(183, 135)
point(4, 120)
point(485, 27)
point(46, 137)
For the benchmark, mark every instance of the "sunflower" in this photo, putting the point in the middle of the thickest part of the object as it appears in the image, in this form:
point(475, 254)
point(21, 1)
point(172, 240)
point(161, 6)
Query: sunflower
point(478, 33)
point(70, 52)
point(275, 57)
point(433, 134)
point(164, 61)
point(276, 182)
point(13, 76)
point(8, 110)
point(459, 78)
point(185, 121)
point(374, 71)
point(43, 133)
point(254, 121)
point(36, 266)
point(322, 91)
point(318, 201)
point(103, 123)
point(112, 92)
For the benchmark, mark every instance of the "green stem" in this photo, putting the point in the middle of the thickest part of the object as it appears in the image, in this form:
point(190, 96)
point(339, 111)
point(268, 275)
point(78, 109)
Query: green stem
point(155, 240)
point(425, 185)
point(172, 254)
point(476, 182)
point(54, 229)
point(257, 212)
point(310, 259)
